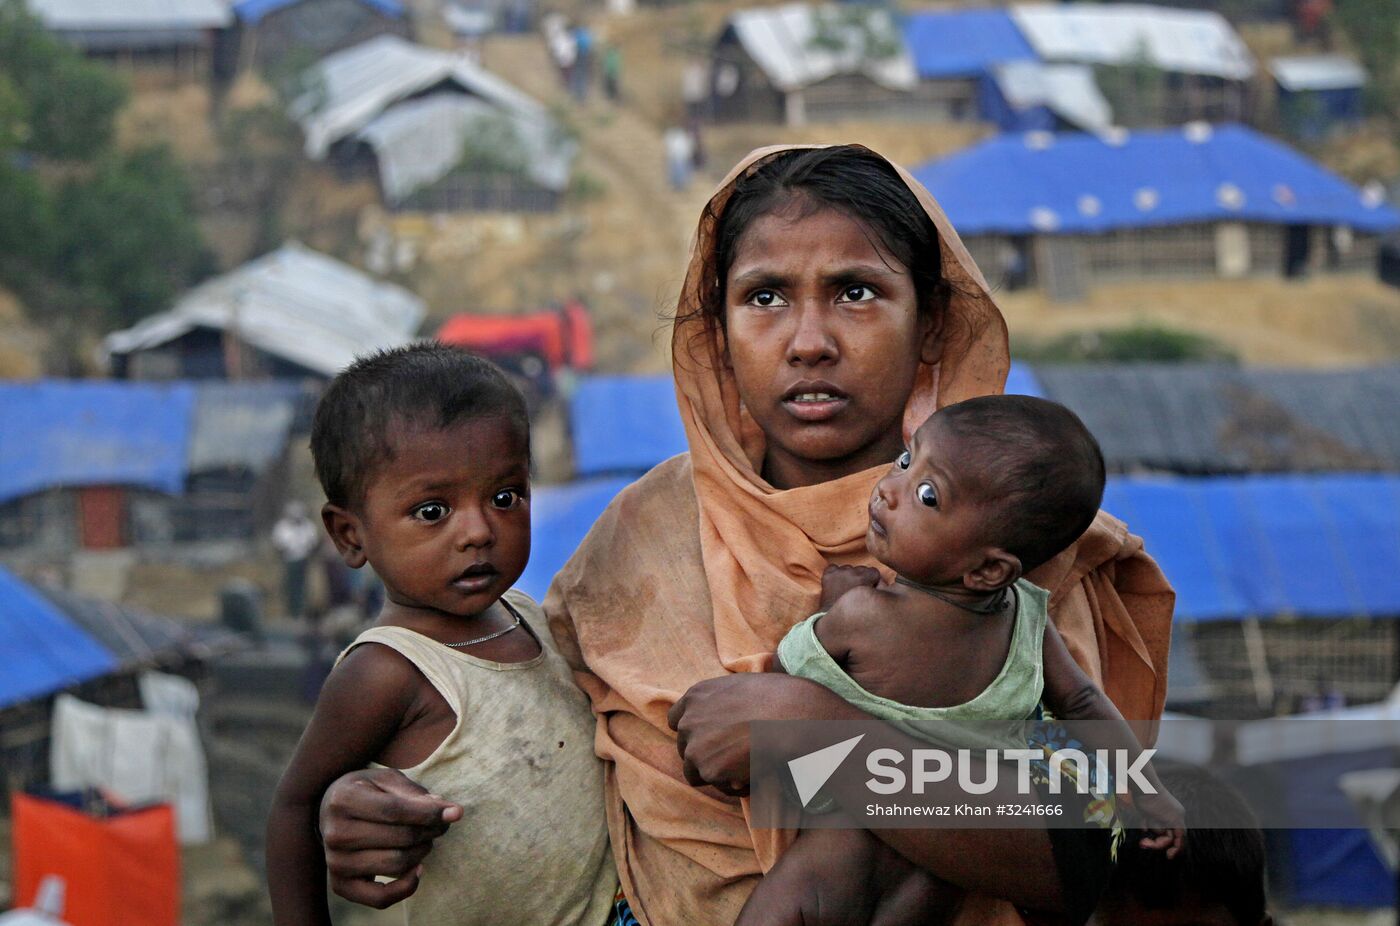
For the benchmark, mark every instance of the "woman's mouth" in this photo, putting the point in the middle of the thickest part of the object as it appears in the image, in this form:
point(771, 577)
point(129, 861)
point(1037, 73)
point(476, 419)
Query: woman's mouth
point(814, 402)
point(476, 578)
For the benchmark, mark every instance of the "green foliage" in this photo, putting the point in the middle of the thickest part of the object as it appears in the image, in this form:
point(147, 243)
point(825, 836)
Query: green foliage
point(1140, 342)
point(89, 236)
point(71, 103)
point(1374, 29)
point(494, 146)
point(865, 32)
point(127, 235)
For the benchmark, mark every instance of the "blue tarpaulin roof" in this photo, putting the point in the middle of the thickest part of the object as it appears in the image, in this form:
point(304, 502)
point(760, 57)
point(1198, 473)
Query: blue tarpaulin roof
point(624, 424)
point(41, 650)
point(93, 433)
point(1074, 184)
point(628, 424)
point(963, 43)
point(254, 10)
point(1233, 547)
point(1263, 546)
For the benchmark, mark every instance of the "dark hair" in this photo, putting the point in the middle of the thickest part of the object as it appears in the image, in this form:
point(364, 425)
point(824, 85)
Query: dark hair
point(1221, 862)
point(426, 385)
point(848, 178)
point(1040, 464)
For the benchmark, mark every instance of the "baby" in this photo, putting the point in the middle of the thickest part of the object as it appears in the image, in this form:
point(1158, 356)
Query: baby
point(959, 651)
point(424, 456)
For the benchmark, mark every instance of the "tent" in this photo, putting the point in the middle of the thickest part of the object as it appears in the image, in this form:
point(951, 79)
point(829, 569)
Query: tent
point(1081, 184)
point(94, 433)
point(41, 650)
point(563, 338)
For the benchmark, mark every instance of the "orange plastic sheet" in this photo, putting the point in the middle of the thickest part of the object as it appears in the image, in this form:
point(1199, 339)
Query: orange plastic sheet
point(119, 871)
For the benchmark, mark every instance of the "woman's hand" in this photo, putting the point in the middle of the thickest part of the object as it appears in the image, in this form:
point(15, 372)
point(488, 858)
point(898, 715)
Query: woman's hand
point(378, 822)
point(712, 720)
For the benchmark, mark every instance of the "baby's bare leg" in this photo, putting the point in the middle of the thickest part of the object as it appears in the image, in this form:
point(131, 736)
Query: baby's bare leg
point(847, 878)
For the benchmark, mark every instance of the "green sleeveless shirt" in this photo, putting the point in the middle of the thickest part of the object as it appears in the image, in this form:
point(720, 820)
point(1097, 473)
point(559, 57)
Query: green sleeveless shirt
point(993, 720)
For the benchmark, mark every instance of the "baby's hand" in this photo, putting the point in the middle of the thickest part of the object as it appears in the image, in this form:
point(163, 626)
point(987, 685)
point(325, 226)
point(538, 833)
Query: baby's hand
point(1164, 819)
point(838, 580)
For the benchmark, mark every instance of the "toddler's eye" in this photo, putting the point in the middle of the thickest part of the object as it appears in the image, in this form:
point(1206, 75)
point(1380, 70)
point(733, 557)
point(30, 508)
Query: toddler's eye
point(431, 512)
point(858, 293)
point(506, 499)
point(927, 495)
point(903, 460)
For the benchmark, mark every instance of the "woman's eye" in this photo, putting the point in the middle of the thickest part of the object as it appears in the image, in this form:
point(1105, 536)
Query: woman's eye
point(766, 299)
point(903, 460)
point(431, 512)
point(506, 499)
point(927, 495)
point(858, 293)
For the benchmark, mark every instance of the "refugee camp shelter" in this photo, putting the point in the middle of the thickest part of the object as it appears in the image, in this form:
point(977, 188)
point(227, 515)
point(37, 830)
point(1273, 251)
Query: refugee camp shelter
point(801, 63)
point(435, 130)
point(53, 641)
point(536, 346)
point(160, 40)
point(1156, 65)
point(1063, 211)
point(1318, 93)
point(1283, 561)
point(290, 314)
point(108, 465)
point(277, 36)
point(956, 54)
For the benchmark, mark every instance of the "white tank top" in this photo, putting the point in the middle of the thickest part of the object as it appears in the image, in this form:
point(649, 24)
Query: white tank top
point(532, 845)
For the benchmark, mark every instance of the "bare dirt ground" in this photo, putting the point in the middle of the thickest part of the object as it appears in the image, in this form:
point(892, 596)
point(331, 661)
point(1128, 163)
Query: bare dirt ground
point(22, 344)
point(1318, 322)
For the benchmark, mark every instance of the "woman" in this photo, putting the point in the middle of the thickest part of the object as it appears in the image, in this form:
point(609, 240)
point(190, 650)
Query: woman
point(825, 313)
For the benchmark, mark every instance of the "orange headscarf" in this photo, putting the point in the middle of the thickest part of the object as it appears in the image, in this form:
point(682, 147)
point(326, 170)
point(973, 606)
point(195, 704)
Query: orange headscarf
point(700, 567)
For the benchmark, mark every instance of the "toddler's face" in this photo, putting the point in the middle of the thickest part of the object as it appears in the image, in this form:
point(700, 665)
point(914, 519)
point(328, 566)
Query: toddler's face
point(928, 515)
point(446, 521)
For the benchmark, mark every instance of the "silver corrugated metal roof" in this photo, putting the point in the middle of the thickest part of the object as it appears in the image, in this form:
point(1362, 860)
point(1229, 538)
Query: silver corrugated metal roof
point(1215, 418)
point(293, 303)
point(240, 425)
point(785, 41)
point(1068, 90)
point(101, 15)
point(419, 142)
point(1318, 72)
point(1186, 41)
point(352, 88)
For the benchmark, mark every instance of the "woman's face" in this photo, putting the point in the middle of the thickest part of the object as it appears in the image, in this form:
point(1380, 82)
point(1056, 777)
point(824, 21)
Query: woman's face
point(824, 338)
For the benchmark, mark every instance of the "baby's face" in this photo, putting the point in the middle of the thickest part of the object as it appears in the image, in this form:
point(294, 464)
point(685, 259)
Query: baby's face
point(446, 521)
point(928, 516)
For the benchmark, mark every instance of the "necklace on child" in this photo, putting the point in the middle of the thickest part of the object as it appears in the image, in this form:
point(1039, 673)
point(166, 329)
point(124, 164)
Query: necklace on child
point(490, 636)
point(991, 605)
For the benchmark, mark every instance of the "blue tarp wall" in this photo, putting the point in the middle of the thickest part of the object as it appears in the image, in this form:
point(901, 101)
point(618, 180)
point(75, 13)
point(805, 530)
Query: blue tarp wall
point(1309, 545)
point(41, 650)
point(251, 11)
point(93, 433)
point(624, 424)
point(1080, 184)
point(963, 43)
point(1262, 546)
point(1311, 114)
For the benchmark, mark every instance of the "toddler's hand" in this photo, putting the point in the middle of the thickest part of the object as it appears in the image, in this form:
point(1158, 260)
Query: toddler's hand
point(1164, 819)
point(838, 580)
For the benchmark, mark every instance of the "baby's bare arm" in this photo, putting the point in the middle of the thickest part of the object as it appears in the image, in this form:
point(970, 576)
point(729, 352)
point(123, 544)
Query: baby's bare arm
point(361, 708)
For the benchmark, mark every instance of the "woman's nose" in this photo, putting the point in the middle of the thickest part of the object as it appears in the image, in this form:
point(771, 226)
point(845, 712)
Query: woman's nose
point(811, 341)
point(474, 530)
